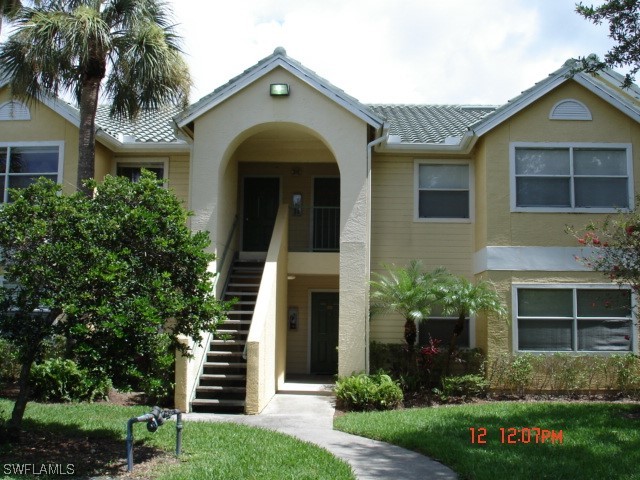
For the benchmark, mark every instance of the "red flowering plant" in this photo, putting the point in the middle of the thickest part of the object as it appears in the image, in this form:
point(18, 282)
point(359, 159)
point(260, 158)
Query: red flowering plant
point(612, 247)
point(429, 361)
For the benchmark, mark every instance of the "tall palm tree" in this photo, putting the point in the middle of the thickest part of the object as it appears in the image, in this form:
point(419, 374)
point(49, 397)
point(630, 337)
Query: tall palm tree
point(407, 291)
point(462, 298)
point(73, 46)
point(8, 9)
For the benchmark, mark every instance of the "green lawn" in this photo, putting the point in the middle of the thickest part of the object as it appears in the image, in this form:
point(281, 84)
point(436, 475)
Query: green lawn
point(68, 432)
point(599, 440)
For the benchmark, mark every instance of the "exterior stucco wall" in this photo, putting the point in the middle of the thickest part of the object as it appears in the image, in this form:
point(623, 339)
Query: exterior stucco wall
point(396, 238)
point(300, 289)
point(533, 125)
point(498, 227)
point(45, 126)
point(219, 133)
point(177, 169)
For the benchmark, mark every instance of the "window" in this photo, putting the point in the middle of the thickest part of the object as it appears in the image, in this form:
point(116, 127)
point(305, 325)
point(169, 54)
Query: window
point(443, 191)
point(563, 318)
point(23, 164)
point(589, 178)
point(132, 170)
point(441, 328)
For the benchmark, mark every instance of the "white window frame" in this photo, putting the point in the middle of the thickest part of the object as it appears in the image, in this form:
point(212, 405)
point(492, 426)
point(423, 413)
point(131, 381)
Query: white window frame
point(574, 329)
point(571, 146)
point(416, 191)
point(141, 162)
point(9, 145)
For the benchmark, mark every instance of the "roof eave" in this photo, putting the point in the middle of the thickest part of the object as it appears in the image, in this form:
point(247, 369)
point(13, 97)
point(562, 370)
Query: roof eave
point(463, 147)
point(117, 146)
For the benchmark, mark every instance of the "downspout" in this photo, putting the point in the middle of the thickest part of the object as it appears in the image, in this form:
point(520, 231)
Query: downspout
point(370, 146)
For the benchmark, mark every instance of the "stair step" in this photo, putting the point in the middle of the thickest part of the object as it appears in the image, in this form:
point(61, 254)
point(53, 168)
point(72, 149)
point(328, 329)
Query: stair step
point(233, 321)
point(220, 388)
point(223, 376)
point(231, 331)
point(227, 342)
point(215, 401)
point(225, 364)
point(224, 353)
point(241, 294)
point(239, 312)
point(252, 285)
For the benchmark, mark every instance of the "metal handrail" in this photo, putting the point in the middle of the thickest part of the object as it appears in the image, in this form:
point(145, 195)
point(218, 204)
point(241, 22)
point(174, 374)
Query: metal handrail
point(207, 340)
point(227, 244)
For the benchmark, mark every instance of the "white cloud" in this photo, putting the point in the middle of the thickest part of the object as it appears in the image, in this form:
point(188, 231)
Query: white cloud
point(392, 51)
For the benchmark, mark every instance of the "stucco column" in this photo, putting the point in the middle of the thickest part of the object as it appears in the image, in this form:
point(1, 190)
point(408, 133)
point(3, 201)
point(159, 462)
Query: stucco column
point(354, 266)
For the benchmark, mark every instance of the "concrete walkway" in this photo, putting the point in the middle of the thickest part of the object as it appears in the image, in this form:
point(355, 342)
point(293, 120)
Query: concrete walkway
point(310, 418)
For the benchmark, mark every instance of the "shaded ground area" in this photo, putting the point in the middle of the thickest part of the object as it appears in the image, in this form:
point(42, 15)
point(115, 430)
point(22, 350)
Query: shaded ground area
point(58, 449)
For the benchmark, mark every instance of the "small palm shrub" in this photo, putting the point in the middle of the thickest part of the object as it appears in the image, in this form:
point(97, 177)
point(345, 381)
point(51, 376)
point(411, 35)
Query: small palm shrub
point(368, 392)
point(59, 380)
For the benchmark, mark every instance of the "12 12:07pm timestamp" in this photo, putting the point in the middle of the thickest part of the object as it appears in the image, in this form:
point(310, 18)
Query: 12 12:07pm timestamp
point(513, 435)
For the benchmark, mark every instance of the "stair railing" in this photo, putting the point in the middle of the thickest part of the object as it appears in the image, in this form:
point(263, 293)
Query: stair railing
point(206, 342)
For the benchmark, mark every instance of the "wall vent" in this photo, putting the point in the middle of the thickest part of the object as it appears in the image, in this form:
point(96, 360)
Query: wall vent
point(570, 110)
point(14, 111)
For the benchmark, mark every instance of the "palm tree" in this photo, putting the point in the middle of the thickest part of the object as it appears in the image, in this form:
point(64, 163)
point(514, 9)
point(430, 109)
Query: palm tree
point(72, 46)
point(407, 291)
point(458, 296)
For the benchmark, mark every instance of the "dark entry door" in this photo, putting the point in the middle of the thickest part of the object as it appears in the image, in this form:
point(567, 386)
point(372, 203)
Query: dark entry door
point(324, 332)
point(261, 200)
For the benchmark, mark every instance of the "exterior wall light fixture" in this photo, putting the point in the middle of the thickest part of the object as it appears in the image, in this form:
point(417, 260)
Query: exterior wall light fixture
point(279, 89)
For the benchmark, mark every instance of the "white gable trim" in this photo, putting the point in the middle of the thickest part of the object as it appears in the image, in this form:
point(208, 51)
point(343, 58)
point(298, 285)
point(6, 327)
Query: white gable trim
point(261, 70)
point(520, 103)
point(588, 81)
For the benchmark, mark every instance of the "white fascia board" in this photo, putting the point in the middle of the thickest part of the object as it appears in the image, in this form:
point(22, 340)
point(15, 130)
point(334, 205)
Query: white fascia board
point(249, 78)
point(527, 259)
point(63, 109)
point(520, 103)
point(609, 95)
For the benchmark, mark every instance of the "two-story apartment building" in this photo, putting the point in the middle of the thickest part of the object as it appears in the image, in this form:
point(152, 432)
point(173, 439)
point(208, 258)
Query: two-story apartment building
point(306, 191)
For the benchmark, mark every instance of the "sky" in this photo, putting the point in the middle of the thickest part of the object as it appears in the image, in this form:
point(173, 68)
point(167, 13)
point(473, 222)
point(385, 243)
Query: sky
point(474, 52)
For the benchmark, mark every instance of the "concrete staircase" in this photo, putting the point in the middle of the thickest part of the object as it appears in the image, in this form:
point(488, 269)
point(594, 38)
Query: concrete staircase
point(222, 386)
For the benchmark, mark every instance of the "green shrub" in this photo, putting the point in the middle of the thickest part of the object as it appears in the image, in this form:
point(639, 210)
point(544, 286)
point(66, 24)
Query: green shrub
point(10, 364)
point(368, 392)
point(465, 386)
point(58, 380)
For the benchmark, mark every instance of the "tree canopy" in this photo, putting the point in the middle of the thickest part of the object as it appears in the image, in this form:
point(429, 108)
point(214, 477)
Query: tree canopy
point(72, 46)
point(623, 17)
point(119, 274)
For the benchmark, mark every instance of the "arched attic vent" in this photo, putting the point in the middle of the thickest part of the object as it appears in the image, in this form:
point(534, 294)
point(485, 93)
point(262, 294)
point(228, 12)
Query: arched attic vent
point(570, 109)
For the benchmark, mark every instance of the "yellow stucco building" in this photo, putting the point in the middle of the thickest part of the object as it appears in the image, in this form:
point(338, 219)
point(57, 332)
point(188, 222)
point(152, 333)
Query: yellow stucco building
point(305, 192)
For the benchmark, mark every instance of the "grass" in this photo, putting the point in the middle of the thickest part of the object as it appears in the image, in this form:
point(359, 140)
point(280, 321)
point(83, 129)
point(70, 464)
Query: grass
point(599, 440)
point(209, 450)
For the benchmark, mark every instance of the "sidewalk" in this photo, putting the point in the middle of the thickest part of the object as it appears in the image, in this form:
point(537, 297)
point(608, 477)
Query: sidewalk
point(310, 418)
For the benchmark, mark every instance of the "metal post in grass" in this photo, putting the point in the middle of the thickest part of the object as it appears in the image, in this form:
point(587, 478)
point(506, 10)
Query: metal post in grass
point(154, 420)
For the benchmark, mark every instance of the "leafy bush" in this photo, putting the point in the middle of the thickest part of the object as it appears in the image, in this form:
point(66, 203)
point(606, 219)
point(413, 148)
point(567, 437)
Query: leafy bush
point(565, 373)
point(368, 392)
point(58, 380)
point(10, 364)
point(465, 386)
